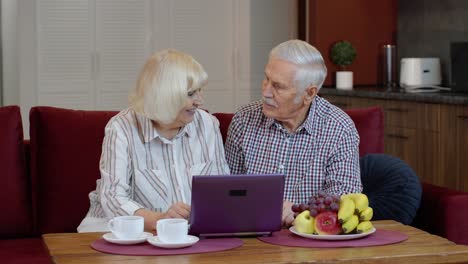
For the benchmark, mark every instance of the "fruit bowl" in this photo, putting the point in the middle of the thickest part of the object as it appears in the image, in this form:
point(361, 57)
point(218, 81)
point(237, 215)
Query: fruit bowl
point(331, 237)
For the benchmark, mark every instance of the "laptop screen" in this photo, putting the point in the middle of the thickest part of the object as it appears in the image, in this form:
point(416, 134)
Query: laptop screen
point(237, 205)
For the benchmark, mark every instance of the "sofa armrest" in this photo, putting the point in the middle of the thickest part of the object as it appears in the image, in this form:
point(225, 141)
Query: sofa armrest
point(443, 212)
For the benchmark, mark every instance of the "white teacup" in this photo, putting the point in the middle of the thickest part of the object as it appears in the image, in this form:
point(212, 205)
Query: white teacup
point(172, 230)
point(127, 227)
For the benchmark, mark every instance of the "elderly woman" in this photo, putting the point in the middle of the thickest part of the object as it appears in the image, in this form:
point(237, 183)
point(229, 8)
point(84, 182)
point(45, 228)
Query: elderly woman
point(151, 149)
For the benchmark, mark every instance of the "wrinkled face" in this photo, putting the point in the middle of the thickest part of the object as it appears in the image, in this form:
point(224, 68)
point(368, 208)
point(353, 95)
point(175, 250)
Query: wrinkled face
point(194, 100)
point(280, 98)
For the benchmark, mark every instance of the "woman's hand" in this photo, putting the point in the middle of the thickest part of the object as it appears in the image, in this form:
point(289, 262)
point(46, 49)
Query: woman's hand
point(178, 210)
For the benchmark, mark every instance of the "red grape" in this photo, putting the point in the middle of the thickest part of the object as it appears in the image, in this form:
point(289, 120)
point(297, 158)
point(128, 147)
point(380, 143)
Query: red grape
point(303, 207)
point(319, 200)
point(319, 203)
point(313, 212)
point(295, 208)
point(334, 207)
point(336, 198)
point(312, 200)
point(321, 208)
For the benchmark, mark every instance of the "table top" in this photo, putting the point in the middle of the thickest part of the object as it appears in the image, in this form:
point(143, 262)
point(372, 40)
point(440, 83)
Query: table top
point(421, 247)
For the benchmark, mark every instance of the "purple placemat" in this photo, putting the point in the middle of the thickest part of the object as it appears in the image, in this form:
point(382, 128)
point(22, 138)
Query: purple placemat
point(380, 237)
point(145, 249)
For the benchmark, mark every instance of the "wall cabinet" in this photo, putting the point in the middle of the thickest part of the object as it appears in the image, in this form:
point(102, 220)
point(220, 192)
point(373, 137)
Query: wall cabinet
point(431, 138)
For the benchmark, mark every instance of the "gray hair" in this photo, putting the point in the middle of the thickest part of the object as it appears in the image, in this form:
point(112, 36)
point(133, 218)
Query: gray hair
point(312, 70)
point(164, 81)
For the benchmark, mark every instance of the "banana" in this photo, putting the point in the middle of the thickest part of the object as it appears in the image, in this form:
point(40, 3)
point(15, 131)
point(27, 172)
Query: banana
point(364, 226)
point(360, 200)
point(366, 214)
point(350, 225)
point(346, 210)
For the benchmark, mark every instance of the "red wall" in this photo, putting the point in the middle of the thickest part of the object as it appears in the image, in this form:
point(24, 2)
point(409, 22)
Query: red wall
point(367, 24)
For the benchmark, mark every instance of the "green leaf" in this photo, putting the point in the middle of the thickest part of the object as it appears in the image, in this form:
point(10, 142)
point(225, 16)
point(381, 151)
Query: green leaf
point(342, 53)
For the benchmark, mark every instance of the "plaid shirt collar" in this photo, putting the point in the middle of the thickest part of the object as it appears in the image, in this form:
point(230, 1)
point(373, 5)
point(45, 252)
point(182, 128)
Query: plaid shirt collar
point(307, 125)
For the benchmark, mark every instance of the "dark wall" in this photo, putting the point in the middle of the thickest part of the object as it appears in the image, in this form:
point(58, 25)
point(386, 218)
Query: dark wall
point(427, 27)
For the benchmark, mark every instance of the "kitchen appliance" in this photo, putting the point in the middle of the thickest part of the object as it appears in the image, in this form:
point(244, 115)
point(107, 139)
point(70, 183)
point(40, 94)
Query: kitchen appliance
point(421, 75)
point(459, 69)
point(389, 65)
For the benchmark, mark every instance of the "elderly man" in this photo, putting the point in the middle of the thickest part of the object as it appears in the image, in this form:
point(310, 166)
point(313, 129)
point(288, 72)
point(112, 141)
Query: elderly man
point(293, 131)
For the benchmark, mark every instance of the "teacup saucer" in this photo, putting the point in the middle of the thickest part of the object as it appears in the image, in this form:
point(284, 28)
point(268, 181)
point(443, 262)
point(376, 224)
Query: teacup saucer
point(110, 237)
point(154, 240)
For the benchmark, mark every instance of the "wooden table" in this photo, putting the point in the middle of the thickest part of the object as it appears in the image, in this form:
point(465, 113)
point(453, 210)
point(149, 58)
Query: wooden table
point(421, 247)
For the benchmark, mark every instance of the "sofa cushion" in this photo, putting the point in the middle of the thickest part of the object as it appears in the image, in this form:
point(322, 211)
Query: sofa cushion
point(393, 188)
point(65, 153)
point(24, 251)
point(369, 123)
point(442, 212)
point(224, 121)
point(15, 195)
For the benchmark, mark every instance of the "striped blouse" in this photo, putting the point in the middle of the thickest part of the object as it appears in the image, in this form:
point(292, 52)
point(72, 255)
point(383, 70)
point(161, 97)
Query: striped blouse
point(141, 169)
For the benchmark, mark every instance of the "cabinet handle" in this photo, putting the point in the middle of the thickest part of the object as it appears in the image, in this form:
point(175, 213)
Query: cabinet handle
point(463, 117)
point(395, 109)
point(397, 136)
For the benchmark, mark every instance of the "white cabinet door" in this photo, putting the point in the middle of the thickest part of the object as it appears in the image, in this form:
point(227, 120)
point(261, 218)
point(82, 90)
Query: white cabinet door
point(86, 54)
point(64, 43)
point(231, 39)
point(261, 25)
point(89, 53)
point(123, 43)
point(204, 29)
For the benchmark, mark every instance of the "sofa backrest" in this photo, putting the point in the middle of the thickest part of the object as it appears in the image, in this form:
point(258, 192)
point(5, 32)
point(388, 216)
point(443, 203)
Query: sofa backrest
point(369, 123)
point(15, 194)
point(66, 148)
point(65, 153)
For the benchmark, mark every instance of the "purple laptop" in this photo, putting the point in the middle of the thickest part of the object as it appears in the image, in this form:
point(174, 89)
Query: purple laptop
point(236, 205)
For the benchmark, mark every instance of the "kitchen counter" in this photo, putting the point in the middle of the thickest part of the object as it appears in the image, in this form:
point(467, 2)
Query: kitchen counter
point(398, 94)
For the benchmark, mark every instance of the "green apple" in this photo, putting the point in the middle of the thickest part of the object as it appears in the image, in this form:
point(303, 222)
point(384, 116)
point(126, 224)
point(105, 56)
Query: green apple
point(304, 223)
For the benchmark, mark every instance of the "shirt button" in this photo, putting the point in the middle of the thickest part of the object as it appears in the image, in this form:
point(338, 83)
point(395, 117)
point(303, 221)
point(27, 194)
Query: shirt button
point(281, 167)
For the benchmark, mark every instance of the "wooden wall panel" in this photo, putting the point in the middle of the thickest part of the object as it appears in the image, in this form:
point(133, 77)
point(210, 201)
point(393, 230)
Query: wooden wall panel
point(367, 24)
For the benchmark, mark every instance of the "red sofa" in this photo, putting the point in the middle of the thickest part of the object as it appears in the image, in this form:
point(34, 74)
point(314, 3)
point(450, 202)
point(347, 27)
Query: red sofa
point(48, 192)
point(18, 242)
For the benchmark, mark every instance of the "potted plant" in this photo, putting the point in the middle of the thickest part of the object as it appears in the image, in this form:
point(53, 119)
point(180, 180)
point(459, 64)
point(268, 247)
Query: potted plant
point(343, 54)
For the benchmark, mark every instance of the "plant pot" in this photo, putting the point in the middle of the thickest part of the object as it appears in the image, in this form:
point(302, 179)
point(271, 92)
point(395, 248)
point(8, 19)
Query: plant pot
point(344, 80)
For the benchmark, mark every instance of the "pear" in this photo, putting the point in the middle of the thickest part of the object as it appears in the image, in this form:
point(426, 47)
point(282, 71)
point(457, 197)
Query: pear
point(304, 223)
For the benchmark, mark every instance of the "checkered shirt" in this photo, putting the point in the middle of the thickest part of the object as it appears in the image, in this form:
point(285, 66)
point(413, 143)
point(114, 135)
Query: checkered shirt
point(322, 154)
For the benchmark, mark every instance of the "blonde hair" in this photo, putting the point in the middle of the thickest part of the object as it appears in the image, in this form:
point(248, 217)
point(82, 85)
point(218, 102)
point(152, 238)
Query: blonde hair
point(161, 89)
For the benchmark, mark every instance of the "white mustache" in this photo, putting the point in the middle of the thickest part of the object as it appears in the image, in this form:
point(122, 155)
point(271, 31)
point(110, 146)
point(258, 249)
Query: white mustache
point(269, 102)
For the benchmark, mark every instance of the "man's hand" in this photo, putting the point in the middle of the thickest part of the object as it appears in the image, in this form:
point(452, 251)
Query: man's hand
point(288, 214)
point(178, 210)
